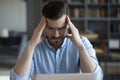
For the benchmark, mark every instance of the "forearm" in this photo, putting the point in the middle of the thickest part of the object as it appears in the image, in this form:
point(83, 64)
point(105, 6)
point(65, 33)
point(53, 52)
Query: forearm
point(86, 63)
point(22, 67)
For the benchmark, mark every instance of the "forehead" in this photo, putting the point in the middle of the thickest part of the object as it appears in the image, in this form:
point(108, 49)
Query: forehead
point(57, 23)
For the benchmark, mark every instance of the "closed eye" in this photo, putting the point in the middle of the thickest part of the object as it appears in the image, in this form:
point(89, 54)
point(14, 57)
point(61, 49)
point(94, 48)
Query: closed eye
point(50, 28)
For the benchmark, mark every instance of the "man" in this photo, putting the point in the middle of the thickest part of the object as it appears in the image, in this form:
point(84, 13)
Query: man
point(53, 50)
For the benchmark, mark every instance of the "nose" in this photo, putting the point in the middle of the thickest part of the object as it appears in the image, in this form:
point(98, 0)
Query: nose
point(56, 33)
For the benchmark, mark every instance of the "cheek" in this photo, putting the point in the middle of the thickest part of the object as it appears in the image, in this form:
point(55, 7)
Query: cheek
point(47, 32)
point(65, 32)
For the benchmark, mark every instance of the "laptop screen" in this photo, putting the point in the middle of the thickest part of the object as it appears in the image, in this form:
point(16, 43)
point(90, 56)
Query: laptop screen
point(68, 76)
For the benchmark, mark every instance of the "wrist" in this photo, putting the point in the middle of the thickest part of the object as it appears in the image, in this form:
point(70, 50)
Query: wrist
point(81, 47)
point(31, 45)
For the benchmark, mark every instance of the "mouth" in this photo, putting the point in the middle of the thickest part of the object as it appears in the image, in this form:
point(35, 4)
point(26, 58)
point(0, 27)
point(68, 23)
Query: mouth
point(56, 39)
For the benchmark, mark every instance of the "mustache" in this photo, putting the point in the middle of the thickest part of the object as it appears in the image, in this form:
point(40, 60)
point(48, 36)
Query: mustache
point(55, 37)
point(52, 38)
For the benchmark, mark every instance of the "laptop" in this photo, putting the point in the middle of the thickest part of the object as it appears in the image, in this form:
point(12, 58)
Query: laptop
point(68, 76)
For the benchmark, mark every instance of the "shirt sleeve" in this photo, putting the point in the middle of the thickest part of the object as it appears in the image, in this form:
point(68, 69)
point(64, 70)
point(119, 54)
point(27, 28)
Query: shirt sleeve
point(98, 71)
point(15, 76)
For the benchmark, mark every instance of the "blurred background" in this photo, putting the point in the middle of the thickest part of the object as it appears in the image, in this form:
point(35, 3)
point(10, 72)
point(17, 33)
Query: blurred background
point(98, 20)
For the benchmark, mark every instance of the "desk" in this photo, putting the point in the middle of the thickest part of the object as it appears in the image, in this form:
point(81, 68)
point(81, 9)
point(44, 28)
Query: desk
point(4, 77)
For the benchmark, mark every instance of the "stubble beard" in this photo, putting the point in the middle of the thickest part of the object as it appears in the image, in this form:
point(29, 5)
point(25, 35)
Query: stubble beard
point(56, 42)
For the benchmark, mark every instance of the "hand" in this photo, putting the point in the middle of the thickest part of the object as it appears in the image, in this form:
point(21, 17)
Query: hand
point(37, 35)
point(74, 36)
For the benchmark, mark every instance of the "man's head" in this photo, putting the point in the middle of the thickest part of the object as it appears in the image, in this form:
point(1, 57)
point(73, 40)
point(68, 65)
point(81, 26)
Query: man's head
point(55, 9)
point(56, 27)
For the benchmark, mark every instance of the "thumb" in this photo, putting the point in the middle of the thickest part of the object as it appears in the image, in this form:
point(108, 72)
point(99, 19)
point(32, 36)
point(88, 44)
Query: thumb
point(42, 38)
point(69, 36)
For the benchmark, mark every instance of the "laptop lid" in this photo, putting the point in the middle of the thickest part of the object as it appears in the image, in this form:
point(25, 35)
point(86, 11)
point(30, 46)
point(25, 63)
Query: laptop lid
point(68, 76)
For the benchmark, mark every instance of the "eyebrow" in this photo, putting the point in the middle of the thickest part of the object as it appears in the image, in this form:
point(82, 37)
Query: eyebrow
point(57, 28)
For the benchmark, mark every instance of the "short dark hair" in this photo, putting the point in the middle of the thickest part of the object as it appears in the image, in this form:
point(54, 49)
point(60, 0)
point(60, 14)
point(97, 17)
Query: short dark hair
point(55, 9)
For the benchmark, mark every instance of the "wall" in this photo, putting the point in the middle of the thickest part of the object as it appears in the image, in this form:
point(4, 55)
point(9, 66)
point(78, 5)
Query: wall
point(13, 15)
point(33, 15)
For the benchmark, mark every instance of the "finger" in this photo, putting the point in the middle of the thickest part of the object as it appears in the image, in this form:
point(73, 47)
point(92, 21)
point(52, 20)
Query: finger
point(71, 25)
point(69, 36)
point(41, 25)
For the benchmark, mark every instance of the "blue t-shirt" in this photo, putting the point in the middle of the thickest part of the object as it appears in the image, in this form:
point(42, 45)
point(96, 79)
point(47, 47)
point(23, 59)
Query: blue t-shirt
point(47, 60)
